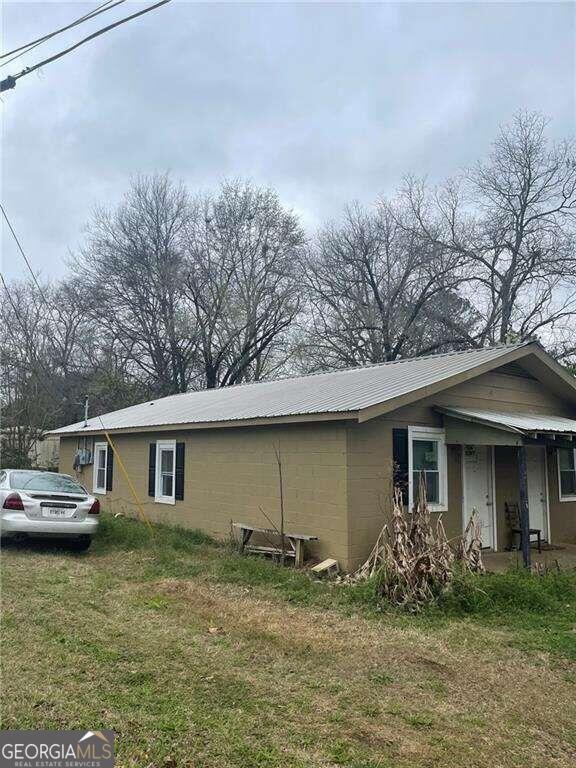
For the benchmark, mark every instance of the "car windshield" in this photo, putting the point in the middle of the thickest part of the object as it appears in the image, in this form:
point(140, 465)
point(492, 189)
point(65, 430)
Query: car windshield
point(44, 481)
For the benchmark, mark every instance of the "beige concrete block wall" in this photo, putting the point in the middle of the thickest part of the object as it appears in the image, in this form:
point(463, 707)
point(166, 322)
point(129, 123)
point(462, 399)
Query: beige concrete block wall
point(370, 467)
point(231, 473)
point(369, 485)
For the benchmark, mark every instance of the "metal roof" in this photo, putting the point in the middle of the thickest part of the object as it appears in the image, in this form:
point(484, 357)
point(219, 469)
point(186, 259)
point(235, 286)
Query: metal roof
point(524, 423)
point(344, 391)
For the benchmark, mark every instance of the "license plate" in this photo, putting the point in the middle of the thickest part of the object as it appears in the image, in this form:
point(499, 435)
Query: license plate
point(57, 513)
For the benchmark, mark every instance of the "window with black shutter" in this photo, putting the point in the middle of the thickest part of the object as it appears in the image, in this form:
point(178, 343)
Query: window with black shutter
point(99, 478)
point(428, 462)
point(165, 479)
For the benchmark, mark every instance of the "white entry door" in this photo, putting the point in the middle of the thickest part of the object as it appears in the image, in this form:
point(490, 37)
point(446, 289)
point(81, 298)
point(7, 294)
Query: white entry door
point(479, 489)
point(537, 489)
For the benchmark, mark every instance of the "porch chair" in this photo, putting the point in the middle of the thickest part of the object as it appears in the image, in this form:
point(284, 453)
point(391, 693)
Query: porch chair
point(513, 520)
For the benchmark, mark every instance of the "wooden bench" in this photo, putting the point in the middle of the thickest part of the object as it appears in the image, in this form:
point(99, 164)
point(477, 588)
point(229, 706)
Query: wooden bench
point(296, 542)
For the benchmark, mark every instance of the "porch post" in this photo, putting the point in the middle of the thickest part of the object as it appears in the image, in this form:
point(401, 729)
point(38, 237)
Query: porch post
point(524, 511)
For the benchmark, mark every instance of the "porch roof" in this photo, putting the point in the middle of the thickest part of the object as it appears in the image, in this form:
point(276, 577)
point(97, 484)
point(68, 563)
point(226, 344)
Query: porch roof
point(522, 424)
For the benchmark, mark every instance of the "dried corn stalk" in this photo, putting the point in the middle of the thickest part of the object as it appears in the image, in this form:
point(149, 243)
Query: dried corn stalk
point(470, 549)
point(411, 560)
point(374, 561)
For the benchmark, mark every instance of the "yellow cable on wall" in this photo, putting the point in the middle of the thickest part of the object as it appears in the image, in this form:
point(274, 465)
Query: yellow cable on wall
point(128, 479)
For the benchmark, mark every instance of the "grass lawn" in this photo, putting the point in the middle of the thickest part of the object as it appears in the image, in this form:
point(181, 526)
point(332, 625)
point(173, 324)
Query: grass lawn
point(195, 656)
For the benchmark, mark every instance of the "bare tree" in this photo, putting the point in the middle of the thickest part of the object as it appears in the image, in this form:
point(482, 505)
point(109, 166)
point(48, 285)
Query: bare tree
point(24, 397)
point(512, 218)
point(243, 252)
point(132, 272)
point(38, 342)
point(51, 356)
point(378, 292)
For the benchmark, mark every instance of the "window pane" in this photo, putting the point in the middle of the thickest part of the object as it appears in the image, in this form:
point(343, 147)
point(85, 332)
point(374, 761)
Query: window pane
point(166, 485)
point(568, 482)
point(432, 484)
point(425, 454)
point(433, 487)
point(101, 478)
point(566, 458)
point(102, 457)
point(167, 460)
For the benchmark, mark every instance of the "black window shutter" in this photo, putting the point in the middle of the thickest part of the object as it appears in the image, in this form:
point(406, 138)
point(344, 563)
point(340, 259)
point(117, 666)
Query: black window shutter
point(152, 470)
point(179, 481)
point(400, 458)
point(109, 468)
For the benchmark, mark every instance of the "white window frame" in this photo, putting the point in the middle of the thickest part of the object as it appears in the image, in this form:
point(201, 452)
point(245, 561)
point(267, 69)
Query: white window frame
point(439, 436)
point(560, 496)
point(97, 448)
point(160, 446)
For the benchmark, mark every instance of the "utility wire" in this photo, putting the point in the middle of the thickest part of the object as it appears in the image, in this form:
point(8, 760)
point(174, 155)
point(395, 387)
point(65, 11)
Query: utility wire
point(34, 369)
point(14, 235)
point(10, 81)
point(54, 313)
point(23, 49)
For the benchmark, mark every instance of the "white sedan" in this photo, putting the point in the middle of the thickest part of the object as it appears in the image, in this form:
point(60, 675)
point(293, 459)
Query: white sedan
point(46, 504)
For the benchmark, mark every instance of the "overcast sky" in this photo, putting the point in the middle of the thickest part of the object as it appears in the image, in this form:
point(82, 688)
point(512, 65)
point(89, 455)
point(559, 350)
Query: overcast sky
point(325, 102)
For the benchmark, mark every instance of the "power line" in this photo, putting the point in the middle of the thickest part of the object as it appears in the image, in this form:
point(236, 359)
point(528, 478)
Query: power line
point(14, 235)
point(23, 49)
point(10, 81)
point(47, 303)
point(34, 360)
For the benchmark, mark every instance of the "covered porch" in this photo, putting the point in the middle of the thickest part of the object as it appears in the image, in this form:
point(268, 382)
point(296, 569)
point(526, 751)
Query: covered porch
point(511, 476)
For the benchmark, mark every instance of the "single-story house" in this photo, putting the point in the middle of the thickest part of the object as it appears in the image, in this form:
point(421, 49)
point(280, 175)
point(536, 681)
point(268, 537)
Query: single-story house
point(204, 459)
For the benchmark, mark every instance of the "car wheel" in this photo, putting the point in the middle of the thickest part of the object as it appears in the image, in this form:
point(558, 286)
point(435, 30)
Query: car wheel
point(81, 544)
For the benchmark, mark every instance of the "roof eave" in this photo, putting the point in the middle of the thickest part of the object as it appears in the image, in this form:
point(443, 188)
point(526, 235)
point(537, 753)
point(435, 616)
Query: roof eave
point(304, 418)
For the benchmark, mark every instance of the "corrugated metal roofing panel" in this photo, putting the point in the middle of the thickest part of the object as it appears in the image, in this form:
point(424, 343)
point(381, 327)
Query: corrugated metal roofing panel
point(336, 392)
point(524, 422)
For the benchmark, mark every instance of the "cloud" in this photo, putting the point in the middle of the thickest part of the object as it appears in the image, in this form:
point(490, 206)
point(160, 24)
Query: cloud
point(325, 102)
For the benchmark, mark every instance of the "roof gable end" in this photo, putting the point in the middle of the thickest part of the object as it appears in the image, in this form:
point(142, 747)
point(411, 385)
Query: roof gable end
point(531, 357)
